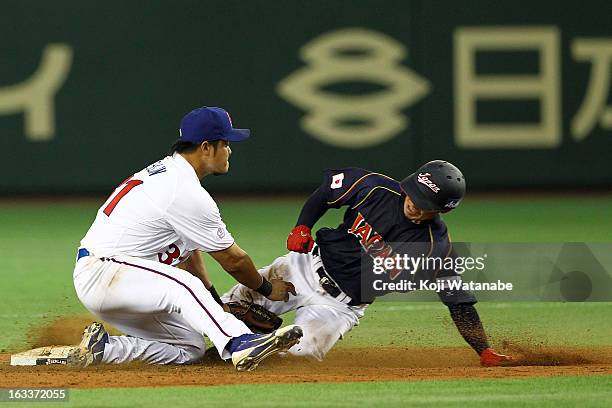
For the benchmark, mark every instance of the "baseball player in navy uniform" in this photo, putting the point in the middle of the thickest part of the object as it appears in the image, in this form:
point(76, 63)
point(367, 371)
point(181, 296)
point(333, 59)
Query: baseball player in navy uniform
point(327, 270)
point(139, 266)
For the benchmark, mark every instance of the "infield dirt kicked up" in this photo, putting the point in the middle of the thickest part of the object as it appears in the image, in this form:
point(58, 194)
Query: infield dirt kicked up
point(340, 365)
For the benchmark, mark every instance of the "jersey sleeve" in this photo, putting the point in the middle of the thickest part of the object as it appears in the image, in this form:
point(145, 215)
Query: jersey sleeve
point(197, 221)
point(351, 185)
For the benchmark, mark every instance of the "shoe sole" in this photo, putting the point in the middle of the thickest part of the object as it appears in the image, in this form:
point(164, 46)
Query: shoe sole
point(283, 341)
point(82, 356)
point(499, 363)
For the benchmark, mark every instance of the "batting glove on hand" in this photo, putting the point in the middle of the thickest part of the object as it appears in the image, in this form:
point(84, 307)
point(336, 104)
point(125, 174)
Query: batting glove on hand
point(490, 358)
point(300, 240)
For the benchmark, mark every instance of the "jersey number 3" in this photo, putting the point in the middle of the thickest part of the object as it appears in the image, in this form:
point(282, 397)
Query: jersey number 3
point(128, 185)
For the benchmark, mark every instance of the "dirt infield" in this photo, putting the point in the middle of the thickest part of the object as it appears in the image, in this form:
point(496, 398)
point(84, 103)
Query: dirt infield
point(341, 365)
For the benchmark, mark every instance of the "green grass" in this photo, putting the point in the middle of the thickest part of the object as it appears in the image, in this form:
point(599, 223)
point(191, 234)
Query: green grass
point(534, 392)
point(39, 240)
point(533, 219)
point(39, 245)
point(427, 324)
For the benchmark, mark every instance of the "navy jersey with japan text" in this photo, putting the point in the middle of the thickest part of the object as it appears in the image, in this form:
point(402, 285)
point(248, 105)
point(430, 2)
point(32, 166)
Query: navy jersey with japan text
point(374, 218)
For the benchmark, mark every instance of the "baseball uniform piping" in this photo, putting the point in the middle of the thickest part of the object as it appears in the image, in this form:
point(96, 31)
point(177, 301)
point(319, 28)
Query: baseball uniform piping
point(370, 192)
point(180, 283)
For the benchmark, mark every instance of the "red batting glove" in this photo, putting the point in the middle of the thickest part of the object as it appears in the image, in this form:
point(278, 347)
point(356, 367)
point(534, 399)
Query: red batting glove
point(300, 240)
point(490, 358)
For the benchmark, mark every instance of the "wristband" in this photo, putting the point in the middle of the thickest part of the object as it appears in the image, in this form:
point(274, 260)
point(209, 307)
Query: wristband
point(265, 288)
point(215, 295)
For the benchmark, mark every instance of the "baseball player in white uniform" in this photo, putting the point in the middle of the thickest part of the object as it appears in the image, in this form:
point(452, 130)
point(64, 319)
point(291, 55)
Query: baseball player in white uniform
point(139, 267)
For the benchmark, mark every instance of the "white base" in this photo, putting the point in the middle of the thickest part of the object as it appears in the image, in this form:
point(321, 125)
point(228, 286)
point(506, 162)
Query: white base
point(42, 356)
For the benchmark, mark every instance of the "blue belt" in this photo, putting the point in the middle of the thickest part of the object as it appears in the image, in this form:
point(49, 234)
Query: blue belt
point(81, 253)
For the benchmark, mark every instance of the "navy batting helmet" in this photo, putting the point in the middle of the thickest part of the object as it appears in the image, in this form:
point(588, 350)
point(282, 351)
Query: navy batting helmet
point(435, 186)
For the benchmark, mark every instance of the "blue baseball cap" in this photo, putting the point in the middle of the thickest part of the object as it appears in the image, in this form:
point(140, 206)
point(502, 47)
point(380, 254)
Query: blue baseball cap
point(210, 123)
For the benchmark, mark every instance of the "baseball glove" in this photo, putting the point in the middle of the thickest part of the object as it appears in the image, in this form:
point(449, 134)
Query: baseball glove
point(256, 317)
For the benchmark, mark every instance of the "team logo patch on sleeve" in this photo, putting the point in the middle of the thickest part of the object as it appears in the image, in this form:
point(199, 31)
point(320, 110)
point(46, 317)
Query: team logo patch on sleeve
point(156, 168)
point(337, 181)
point(221, 232)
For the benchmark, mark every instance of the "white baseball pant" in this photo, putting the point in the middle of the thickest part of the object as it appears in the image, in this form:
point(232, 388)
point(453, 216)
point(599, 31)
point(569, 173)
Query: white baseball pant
point(164, 311)
point(323, 319)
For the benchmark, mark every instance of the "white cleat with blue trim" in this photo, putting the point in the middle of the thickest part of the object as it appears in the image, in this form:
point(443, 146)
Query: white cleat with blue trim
point(91, 348)
point(249, 350)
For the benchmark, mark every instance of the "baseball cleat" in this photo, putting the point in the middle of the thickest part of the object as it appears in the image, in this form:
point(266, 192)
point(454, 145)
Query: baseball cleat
point(253, 348)
point(91, 348)
point(490, 358)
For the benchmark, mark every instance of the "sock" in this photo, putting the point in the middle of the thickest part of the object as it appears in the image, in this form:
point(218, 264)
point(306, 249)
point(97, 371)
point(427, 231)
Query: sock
point(469, 325)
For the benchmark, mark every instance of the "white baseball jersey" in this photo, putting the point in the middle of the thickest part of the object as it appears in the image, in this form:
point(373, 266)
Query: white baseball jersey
point(161, 213)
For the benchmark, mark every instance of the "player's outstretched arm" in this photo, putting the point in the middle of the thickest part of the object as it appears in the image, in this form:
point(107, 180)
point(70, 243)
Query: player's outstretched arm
point(313, 209)
point(340, 187)
point(300, 239)
point(235, 261)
